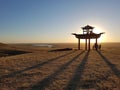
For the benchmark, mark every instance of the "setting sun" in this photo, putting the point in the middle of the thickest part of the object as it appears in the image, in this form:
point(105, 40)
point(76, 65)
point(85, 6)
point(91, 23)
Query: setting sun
point(99, 30)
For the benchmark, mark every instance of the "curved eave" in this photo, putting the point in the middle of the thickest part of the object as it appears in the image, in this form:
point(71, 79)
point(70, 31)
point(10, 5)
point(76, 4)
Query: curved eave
point(87, 36)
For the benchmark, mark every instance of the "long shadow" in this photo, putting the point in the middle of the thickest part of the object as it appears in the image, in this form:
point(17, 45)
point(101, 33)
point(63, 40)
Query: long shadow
point(112, 66)
point(74, 82)
point(35, 66)
point(45, 82)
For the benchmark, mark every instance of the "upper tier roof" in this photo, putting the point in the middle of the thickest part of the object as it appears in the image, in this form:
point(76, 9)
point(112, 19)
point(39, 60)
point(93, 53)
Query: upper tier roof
point(87, 27)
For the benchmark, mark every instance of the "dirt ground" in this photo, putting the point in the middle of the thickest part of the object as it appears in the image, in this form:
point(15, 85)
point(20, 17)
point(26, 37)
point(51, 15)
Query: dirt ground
point(39, 69)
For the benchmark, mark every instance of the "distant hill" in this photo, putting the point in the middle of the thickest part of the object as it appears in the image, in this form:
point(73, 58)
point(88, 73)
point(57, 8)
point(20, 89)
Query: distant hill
point(2, 44)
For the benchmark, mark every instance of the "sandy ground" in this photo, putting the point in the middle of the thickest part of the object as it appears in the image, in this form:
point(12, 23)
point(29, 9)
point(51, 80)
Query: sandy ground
point(63, 70)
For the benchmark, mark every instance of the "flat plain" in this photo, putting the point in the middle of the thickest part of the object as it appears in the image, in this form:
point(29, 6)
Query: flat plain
point(24, 67)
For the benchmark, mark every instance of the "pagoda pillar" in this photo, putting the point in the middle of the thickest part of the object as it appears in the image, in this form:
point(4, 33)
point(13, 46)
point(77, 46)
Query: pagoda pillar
point(85, 44)
point(78, 43)
point(96, 44)
point(89, 44)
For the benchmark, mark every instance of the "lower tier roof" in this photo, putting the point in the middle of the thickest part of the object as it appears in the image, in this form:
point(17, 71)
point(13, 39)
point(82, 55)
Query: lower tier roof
point(87, 36)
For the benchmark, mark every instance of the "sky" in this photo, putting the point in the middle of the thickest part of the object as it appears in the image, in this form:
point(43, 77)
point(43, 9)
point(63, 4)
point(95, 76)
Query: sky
point(53, 21)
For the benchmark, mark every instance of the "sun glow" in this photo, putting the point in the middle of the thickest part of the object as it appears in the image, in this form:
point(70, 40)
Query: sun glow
point(99, 30)
point(96, 30)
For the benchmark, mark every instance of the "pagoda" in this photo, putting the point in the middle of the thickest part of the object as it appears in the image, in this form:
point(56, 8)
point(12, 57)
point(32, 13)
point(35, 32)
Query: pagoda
point(88, 34)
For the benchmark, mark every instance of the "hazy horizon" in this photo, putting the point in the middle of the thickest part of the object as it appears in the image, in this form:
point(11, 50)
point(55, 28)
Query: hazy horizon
point(59, 43)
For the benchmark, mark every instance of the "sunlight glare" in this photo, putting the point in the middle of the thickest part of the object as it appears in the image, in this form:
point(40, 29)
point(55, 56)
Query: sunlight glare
point(98, 30)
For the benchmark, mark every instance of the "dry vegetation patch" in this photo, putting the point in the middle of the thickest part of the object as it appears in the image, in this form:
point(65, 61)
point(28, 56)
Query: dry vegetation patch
point(61, 70)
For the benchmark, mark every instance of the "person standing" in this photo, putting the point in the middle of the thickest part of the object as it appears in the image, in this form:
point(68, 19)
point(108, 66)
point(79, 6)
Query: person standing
point(100, 47)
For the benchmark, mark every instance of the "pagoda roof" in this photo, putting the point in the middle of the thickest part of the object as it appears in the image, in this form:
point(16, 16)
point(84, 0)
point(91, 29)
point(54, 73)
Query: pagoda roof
point(87, 27)
point(87, 36)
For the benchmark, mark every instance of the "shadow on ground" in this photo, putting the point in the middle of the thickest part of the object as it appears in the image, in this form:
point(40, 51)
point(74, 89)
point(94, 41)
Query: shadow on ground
point(75, 81)
point(46, 81)
point(112, 66)
point(35, 66)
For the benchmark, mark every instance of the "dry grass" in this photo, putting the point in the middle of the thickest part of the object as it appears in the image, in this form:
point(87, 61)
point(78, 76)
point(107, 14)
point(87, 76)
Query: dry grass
point(64, 70)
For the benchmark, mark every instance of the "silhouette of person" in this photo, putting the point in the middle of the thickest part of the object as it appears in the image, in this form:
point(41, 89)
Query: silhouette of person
point(96, 46)
point(100, 47)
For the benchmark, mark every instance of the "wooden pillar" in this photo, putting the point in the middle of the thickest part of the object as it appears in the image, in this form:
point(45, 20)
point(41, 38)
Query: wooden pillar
point(96, 40)
point(85, 44)
point(78, 43)
point(89, 44)
point(96, 44)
